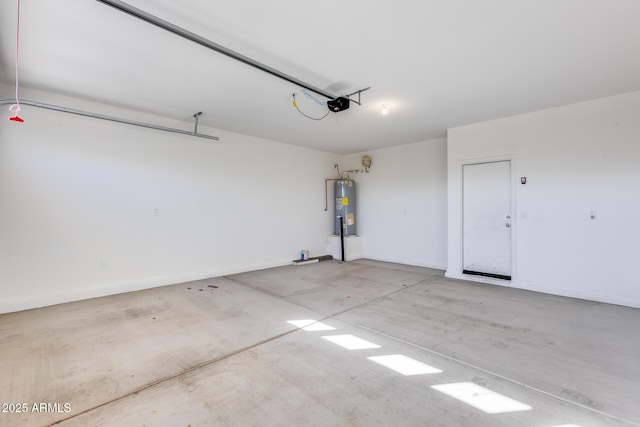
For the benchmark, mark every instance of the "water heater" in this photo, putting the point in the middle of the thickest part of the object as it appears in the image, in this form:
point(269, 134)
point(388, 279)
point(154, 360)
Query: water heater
point(345, 197)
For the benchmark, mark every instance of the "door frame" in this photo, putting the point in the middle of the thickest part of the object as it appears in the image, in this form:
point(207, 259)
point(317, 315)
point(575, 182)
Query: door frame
point(514, 222)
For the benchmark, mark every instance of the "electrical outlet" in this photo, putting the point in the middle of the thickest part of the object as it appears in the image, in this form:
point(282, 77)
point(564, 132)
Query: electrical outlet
point(156, 212)
point(104, 262)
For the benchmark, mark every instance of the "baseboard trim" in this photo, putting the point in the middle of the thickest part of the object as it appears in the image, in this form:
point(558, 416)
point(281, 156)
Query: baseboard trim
point(12, 305)
point(412, 262)
point(552, 290)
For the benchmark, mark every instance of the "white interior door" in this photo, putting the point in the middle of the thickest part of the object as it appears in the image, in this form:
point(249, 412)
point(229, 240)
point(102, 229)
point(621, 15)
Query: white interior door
point(486, 219)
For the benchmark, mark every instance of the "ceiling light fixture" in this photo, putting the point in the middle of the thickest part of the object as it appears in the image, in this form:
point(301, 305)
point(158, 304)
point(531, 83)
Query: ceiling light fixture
point(385, 110)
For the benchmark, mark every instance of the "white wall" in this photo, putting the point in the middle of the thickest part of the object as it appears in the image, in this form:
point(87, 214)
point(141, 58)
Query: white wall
point(576, 158)
point(402, 203)
point(78, 199)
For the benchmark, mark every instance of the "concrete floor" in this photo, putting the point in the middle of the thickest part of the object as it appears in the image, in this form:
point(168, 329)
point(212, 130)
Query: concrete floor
point(220, 352)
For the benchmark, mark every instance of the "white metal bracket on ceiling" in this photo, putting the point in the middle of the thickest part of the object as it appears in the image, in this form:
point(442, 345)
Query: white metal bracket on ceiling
point(358, 92)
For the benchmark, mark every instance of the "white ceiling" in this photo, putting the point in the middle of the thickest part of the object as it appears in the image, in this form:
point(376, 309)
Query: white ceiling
point(436, 64)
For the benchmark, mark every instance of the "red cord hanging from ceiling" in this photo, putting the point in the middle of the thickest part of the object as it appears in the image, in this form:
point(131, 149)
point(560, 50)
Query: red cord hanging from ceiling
point(15, 108)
